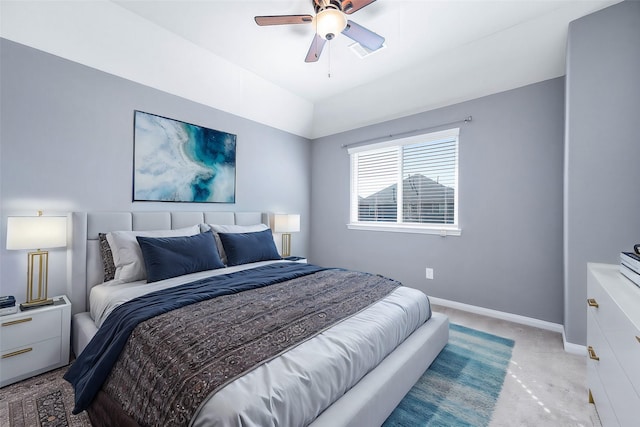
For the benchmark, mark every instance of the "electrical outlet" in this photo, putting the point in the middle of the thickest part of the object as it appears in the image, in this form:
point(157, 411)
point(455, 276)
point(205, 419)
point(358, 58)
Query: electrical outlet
point(429, 273)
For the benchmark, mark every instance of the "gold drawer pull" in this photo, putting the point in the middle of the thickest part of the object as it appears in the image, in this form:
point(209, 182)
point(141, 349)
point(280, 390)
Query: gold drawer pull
point(592, 303)
point(592, 354)
point(16, 353)
point(15, 322)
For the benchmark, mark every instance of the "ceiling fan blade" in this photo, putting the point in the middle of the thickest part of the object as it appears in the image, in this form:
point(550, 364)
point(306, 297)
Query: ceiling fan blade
point(365, 37)
point(315, 49)
point(283, 19)
point(350, 6)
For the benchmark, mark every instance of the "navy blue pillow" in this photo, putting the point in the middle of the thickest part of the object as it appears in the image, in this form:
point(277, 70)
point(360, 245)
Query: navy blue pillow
point(166, 257)
point(242, 248)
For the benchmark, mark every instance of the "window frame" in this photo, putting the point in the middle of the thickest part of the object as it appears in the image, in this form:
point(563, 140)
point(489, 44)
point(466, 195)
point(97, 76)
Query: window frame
point(399, 226)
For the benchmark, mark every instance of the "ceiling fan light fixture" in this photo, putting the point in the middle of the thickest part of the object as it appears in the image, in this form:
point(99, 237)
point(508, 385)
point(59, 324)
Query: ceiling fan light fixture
point(330, 22)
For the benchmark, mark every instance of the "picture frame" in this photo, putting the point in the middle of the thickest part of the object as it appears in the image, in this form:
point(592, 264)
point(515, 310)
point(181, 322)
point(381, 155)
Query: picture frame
point(176, 161)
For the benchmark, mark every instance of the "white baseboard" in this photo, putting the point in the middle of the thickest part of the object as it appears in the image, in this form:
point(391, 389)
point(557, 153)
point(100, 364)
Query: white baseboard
point(515, 318)
point(572, 348)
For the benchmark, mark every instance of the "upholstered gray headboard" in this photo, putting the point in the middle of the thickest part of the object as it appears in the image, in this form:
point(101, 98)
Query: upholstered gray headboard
point(86, 264)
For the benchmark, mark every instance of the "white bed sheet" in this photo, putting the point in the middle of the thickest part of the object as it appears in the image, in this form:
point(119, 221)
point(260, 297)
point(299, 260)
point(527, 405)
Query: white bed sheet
point(104, 298)
point(295, 387)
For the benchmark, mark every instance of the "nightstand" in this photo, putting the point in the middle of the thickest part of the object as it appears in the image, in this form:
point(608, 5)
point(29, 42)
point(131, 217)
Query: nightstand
point(299, 259)
point(34, 341)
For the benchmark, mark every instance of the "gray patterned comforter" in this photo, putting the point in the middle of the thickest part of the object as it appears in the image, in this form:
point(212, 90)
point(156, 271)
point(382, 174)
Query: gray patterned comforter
point(175, 361)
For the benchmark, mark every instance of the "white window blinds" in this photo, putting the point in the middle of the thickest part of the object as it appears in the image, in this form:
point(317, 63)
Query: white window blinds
point(409, 182)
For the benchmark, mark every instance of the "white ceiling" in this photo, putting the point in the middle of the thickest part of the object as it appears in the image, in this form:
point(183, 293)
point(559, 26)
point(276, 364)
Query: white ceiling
point(438, 53)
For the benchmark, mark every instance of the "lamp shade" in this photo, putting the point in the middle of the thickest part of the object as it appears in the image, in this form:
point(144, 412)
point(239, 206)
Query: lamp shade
point(329, 23)
point(36, 232)
point(286, 223)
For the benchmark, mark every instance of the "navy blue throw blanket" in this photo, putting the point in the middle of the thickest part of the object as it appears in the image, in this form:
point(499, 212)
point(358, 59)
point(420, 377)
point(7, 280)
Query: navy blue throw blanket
point(93, 365)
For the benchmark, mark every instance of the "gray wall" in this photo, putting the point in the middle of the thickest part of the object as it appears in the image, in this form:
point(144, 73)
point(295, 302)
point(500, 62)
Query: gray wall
point(67, 145)
point(509, 256)
point(602, 197)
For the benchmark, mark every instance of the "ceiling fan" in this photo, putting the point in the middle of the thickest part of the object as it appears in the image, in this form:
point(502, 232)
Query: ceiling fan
point(330, 19)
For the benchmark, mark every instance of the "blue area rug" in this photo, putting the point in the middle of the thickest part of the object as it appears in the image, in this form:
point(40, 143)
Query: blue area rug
point(462, 385)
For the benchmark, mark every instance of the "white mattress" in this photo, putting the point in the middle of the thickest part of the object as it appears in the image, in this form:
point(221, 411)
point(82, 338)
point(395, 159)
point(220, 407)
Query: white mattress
point(294, 388)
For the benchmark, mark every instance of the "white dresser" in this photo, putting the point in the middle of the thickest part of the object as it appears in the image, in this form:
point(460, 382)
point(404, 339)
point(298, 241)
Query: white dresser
point(34, 341)
point(613, 344)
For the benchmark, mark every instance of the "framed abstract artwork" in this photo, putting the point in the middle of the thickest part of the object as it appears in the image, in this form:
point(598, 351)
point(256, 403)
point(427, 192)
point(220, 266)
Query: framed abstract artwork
point(174, 161)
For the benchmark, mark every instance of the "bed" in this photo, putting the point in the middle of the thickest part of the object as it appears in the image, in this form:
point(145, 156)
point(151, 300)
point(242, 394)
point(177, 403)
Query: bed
point(347, 366)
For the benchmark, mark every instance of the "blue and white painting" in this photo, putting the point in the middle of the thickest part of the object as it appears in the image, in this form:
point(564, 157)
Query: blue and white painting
point(176, 161)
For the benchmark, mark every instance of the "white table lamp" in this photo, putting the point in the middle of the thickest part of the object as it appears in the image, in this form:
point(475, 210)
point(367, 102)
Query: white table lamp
point(286, 224)
point(36, 232)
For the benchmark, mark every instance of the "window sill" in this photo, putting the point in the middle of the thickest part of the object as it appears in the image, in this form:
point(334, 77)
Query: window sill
point(398, 228)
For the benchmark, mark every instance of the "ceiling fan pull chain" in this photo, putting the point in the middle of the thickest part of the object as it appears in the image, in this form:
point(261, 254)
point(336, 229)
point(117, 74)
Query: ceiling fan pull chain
point(329, 62)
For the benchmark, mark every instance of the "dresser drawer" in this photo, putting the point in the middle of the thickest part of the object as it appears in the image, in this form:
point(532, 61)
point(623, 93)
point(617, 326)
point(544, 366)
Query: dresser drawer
point(627, 351)
point(21, 361)
point(613, 322)
point(600, 398)
point(598, 345)
point(29, 328)
point(614, 394)
point(621, 334)
point(606, 312)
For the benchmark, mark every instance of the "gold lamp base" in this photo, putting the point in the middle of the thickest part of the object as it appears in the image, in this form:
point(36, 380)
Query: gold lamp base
point(286, 245)
point(37, 280)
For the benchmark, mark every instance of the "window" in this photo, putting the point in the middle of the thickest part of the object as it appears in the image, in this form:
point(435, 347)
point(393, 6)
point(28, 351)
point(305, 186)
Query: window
point(408, 184)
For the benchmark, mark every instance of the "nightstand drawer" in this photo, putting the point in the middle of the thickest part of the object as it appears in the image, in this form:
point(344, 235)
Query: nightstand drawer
point(34, 341)
point(29, 328)
point(18, 361)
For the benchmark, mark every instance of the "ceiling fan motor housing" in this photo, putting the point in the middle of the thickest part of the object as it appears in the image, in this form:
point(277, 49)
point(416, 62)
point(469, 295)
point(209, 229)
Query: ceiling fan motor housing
point(323, 4)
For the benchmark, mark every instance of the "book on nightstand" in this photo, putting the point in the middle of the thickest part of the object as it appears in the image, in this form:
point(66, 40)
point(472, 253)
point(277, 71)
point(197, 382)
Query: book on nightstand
point(630, 266)
point(7, 305)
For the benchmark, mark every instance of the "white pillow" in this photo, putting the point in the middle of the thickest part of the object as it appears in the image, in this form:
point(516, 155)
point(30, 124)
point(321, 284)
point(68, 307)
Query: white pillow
point(127, 255)
point(230, 229)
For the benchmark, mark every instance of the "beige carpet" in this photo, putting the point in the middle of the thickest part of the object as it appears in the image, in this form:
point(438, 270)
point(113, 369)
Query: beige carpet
point(545, 386)
point(45, 400)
